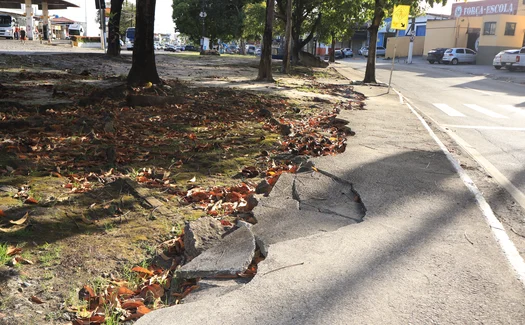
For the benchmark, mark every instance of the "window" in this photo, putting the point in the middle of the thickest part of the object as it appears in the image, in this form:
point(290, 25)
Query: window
point(489, 28)
point(460, 51)
point(469, 51)
point(510, 28)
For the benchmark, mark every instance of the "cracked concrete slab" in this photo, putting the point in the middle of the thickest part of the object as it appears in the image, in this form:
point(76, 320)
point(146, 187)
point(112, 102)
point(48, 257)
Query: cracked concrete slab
point(278, 225)
point(230, 256)
point(303, 204)
point(317, 191)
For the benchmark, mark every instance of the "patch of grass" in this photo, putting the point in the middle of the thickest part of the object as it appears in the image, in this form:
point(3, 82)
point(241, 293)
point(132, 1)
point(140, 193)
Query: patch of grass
point(131, 277)
point(4, 258)
point(49, 255)
point(98, 284)
point(112, 317)
point(22, 233)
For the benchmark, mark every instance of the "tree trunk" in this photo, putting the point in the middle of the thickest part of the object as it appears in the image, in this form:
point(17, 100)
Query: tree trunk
point(242, 50)
point(143, 68)
point(114, 28)
point(370, 73)
point(295, 49)
point(288, 38)
point(265, 65)
point(332, 55)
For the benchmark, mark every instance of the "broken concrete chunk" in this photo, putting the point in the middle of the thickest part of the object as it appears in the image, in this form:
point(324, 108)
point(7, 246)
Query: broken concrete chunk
point(263, 187)
point(230, 256)
point(202, 234)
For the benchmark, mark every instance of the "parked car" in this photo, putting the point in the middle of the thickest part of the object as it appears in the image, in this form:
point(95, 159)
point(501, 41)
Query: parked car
point(380, 51)
point(258, 51)
point(339, 54)
point(496, 62)
point(361, 50)
point(190, 48)
point(170, 48)
point(348, 52)
point(250, 49)
point(514, 61)
point(457, 55)
point(436, 55)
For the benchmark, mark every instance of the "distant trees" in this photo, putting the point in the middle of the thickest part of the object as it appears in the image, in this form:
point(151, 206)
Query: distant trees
point(380, 9)
point(224, 18)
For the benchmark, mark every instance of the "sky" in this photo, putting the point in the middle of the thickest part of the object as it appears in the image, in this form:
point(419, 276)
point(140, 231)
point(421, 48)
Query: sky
point(439, 9)
point(163, 21)
point(163, 11)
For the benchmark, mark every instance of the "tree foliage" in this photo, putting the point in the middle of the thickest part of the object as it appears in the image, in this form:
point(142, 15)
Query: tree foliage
point(127, 16)
point(223, 20)
point(253, 24)
point(381, 9)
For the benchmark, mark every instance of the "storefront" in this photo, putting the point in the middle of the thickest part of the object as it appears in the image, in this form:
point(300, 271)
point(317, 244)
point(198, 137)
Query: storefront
point(485, 26)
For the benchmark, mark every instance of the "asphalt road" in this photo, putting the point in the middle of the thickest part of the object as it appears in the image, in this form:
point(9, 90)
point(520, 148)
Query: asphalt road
point(477, 106)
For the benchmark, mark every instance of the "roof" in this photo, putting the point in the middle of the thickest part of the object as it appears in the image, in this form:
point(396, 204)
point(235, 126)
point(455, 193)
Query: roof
point(62, 21)
point(52, 4)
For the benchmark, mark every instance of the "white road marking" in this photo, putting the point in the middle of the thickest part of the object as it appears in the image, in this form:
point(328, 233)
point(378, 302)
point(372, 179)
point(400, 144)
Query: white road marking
point(448, 110)
point(484, 111)
point(479, 91)
point(513, 108)
point(506, 244)
point(483, 127)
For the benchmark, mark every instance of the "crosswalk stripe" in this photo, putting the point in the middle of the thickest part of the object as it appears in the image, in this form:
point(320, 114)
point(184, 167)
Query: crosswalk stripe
point(484, 111)
point(448, 110)
point(513, 108)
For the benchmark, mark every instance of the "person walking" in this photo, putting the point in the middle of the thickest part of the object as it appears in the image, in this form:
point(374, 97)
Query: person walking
point(17, 31)
point(23, 36)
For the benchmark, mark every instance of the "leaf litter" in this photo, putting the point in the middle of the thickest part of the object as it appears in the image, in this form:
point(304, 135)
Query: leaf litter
point(207, 154)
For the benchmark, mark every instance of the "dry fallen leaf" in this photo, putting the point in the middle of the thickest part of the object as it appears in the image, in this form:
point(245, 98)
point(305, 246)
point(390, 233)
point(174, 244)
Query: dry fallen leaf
point(125, 291)
point(31, 200)
point(37, 300)
point(132, 303)
point(143, 310)
point(12, 250)
point(193, 179)
point(13, 229)
point(142, 270)
point(2, 213)
point(22, 260)
point(86, 220)
point(21, 220)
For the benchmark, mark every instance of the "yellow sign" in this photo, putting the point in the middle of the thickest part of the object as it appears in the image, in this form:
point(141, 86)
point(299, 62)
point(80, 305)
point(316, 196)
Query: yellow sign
point(400, 17)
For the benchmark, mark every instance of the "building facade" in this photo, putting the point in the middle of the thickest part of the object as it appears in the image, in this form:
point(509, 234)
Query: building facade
point(487, 27)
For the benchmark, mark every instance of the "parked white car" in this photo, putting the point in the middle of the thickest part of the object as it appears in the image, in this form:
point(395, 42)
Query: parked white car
point(348, 53)
point(514, 61)
point(380, 51)
point(496, 62)
point(457, 55)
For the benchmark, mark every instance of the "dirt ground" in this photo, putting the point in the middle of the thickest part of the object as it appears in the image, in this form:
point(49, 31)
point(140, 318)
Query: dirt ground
point(97, 179)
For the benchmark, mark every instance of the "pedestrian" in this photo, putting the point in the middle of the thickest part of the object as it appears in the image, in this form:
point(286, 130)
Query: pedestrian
point(17, 31)
point(23, 36)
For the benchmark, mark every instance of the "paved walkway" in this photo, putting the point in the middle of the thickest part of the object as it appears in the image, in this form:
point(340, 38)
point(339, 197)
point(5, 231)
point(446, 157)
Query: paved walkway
point(422, 255)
